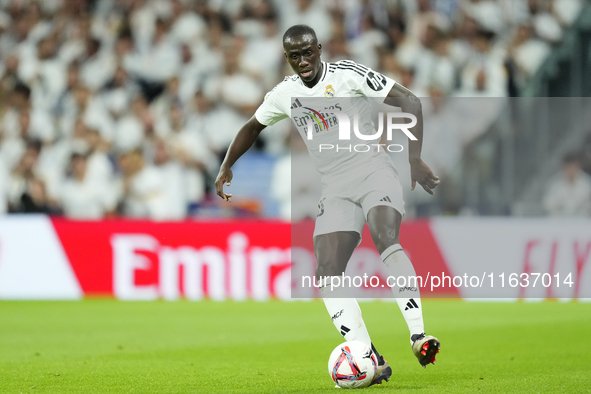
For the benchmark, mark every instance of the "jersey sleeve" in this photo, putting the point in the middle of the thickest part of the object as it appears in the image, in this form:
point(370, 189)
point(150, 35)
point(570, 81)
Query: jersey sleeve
point(270, 112)
point(365, 81)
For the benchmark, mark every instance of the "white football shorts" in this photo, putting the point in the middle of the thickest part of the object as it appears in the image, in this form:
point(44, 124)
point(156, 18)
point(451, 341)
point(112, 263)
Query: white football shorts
point(344, 206)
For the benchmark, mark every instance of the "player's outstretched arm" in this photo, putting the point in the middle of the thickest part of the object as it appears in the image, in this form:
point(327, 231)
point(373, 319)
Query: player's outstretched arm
point(241, 143)
point(399, 96)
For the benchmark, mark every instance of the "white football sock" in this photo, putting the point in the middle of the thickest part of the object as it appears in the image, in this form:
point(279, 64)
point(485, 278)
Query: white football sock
point(408, 295)
point(345, 314)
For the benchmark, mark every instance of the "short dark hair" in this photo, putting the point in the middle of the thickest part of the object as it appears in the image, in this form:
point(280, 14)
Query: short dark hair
point(571, 158)
point(23, 89)
point(299, 30)
point(488, 35)
point(34, 144)
point(79, 155)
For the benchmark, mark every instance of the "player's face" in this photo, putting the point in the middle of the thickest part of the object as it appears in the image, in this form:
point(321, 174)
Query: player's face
point(303, 55)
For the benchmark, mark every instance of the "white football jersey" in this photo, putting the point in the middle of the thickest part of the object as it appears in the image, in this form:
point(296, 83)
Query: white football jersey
point(344, 86)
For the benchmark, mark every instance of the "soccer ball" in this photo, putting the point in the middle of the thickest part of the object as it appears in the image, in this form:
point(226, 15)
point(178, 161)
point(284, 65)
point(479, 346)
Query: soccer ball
point(352, 365)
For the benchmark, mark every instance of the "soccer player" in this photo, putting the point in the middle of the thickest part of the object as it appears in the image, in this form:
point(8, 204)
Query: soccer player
point(357, 188)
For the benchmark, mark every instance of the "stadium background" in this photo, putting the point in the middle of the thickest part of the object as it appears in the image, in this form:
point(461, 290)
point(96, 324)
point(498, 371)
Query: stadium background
point(114, 118)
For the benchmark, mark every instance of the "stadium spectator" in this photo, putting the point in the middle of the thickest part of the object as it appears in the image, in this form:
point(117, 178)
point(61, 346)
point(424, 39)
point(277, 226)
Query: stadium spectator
point(234, 87)
point(44, 72)
point(545, 24)
point(168, 98)
point(186, 25)
point(527, 51)
point(99, 165)
point(26, 190)
point(189, 147)
point(156, 61)
point(15, 126)
point(569, 194)
point(236, 96)
point(485, 72)
point(566, 10)
point(117, 76)
point(98, 65)
point(82, 195)
point(311, 12)
point(175, 199)
point(9, 76)
point(262, 55)
point(364, 47)
point(90, 108)
point(117, 94)
point(487, 13)
point(64, 101)
point(130, 130)
point(142, 187)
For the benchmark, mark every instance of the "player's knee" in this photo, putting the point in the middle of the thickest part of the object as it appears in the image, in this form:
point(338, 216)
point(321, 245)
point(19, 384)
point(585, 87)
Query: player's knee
point(386, 238)
point(384, 226)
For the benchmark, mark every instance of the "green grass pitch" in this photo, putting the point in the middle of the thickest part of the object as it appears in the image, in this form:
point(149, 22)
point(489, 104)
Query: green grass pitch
point(107, 346)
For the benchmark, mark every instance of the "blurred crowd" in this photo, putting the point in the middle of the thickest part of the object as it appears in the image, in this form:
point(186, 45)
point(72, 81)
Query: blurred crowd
point(568, 193)
point(126, 107)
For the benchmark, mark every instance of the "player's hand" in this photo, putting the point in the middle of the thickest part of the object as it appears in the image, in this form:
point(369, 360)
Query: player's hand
point(421, 173)
point(224, 176)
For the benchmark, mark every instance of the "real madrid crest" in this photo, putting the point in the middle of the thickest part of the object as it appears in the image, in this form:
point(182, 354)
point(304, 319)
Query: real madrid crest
point(329, 92)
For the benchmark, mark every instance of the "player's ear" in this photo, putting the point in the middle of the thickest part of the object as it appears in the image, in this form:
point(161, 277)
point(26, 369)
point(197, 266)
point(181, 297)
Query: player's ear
point(320, 49)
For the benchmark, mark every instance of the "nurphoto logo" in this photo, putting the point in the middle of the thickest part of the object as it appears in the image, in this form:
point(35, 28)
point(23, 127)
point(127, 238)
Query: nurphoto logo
point(344, 124)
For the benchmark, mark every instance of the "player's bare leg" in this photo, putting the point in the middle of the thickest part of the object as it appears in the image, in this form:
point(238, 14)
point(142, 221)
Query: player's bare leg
point(384, 225)
point(333, 252)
